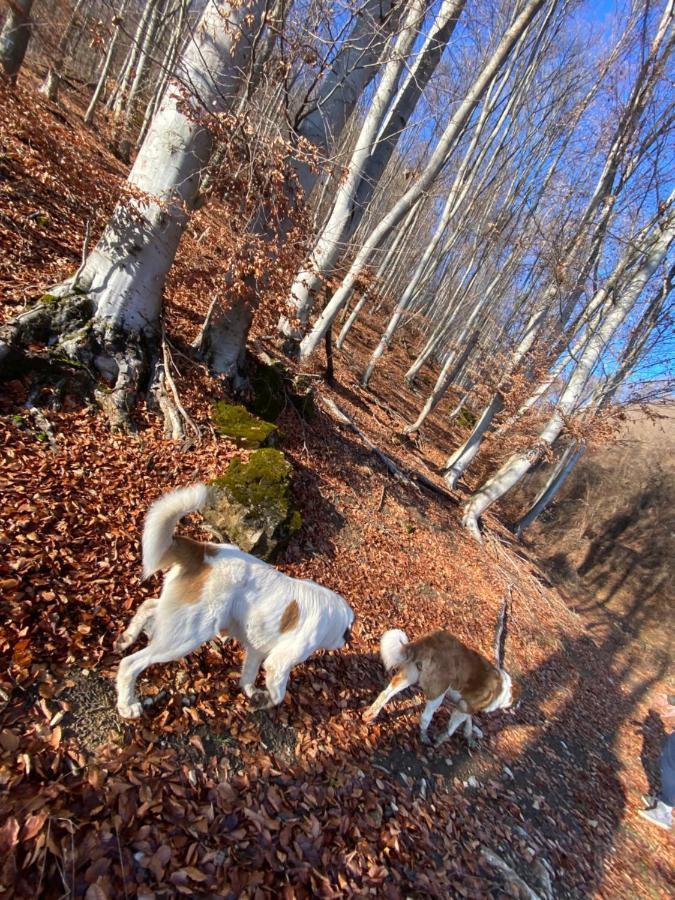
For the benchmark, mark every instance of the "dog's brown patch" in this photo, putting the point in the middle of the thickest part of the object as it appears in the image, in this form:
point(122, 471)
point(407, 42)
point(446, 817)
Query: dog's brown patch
point(290, 617)
point(446, 663)
point(194, 570)
point(398, 678)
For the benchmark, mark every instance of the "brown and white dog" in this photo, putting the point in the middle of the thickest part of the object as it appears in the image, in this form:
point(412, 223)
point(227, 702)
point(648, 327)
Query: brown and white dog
point(442, 664)
point(214, 588)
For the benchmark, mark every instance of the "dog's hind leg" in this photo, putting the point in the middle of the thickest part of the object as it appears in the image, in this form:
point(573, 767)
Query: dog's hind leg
point(456, 719)
point(172, 640)
point(142, 621)
point(405, 677)
point(427, 716)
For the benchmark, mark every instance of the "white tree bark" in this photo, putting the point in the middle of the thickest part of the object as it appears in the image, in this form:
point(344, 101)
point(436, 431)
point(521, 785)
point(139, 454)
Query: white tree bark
point(329, 245)
point(50, 86)
point(14, 37)
point(515, 468)
point(107, 63)
point(438, 159)
point(222, 340)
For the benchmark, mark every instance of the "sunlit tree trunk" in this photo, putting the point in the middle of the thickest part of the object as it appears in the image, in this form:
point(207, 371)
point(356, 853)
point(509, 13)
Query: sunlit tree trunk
point(457, 123)
point(330, 243)
point(516, 467)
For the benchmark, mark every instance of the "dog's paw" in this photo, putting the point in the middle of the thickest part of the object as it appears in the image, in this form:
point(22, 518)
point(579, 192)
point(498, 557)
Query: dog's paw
point(440, 740)
point(369, 715)
point(122, 642)
point(478, 732)
point(472, 743)
point(132, 711)
point(260, 700)
point(424, 737)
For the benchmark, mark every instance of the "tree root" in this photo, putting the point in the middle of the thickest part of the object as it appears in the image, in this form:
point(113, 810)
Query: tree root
point(63, 323)
point(510, 874)
point(165, 392)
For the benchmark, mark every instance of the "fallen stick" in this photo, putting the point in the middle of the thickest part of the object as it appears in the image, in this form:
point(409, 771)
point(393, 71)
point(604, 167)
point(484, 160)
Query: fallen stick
point(409, 477)
point(498, 863)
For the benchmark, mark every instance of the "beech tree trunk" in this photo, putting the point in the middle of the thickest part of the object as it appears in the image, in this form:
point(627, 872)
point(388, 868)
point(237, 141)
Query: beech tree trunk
point(329, 246)
point(222, 339)
point(515, 468)
point(385, 123)
point(14, 37)
point(455, 126)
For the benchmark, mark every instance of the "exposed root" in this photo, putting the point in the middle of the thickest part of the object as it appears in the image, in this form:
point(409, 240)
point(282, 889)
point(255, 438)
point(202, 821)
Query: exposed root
point(164, 389)
point(512, 877)
point(470, 522)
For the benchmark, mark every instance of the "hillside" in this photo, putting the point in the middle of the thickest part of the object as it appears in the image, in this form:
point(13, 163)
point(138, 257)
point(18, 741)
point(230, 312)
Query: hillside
point(609, 538)
point(204, 798)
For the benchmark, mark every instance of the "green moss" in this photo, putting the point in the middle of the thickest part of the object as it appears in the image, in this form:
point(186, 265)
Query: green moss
point(466, 418)
point(47, 299)
point(236, 422)
point(295, 523)
point(262, 482)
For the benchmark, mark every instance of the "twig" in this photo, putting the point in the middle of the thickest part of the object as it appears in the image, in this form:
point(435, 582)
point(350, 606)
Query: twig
point(498, 863)
point(500, 634)
point(124, 874)
point(168, 378)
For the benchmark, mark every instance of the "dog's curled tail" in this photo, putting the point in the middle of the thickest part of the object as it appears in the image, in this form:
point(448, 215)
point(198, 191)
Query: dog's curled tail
point(392, 644)
point(161, 521)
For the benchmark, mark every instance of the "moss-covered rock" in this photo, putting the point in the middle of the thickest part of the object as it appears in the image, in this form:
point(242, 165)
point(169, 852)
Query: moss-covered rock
point(235, 422)
point(251, 505)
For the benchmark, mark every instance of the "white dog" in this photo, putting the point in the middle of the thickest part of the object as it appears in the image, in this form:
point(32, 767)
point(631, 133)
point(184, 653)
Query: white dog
point(214, 588)
point(442, 665)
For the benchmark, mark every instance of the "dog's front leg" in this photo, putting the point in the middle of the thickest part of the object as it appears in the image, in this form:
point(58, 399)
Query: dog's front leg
point(249, 671)
point(401, 680)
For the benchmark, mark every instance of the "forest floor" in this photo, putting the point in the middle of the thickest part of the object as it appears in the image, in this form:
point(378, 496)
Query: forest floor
point(203, 797)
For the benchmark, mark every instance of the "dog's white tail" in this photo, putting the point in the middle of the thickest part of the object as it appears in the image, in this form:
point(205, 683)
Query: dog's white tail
point(161, 521)
point(391, 648)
